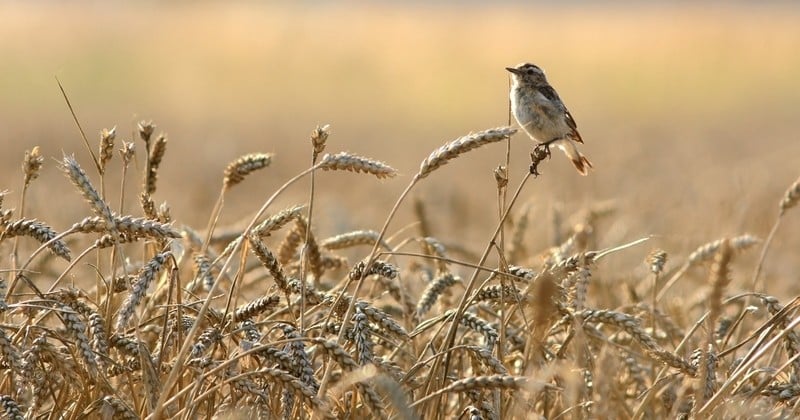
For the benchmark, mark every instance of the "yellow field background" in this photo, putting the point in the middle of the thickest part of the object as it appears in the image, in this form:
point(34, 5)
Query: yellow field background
point(690, 114)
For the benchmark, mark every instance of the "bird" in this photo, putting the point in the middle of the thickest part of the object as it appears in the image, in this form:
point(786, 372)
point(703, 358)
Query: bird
point(540, 112)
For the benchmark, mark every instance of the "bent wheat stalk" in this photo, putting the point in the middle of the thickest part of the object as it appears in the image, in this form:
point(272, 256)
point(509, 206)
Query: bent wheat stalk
point(436, 159)
point(186, 346)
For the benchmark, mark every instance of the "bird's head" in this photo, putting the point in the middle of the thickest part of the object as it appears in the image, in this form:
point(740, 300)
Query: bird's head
point(527, 73)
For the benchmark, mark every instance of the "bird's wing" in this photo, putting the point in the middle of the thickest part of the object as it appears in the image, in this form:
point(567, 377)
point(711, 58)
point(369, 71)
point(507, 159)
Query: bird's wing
point(548, 92)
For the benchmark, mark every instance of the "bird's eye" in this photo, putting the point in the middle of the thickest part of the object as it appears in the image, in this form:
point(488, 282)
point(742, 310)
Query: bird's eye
point(530, 71)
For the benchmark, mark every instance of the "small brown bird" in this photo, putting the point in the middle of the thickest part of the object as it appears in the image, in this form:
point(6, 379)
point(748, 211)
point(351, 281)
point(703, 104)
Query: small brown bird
point(540, 112)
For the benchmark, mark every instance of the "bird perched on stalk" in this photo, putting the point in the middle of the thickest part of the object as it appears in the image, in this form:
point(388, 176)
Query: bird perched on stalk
point(544, 117)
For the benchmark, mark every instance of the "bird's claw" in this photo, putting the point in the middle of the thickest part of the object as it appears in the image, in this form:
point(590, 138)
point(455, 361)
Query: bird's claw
point(539, 153)
point(546, 147)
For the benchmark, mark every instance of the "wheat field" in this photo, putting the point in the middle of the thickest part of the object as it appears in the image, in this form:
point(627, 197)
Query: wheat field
point(323, 211)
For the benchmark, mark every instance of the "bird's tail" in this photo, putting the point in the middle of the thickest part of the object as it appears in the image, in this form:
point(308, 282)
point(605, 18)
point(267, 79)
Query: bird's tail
point(580, 161)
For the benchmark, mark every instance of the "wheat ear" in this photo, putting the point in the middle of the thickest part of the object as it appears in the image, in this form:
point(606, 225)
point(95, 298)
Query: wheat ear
point(345, 161)
point(461, 145)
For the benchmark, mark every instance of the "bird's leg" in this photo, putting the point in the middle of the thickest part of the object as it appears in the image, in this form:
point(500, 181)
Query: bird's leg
point(546, 146)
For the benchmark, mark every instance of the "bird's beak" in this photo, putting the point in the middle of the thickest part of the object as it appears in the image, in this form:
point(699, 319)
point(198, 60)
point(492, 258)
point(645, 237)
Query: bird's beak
point(514, 70)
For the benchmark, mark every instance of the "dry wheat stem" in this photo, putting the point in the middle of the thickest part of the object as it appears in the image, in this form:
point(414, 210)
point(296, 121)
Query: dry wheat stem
point(319, 138)
point(69, 268)
point(777, 321)
point(480, 268)
point(461, 145)
point(155, 156)
point(37, 230)
point(145, 276)
point(317, 148)
point(202, 261)
point(77, 329)
point(354, 238)
point(436, 159)
point(432, 292)
point(483, 382)
point(268, 260)
point(363, 378)
point(231, 361)
point(789, 200)
point(744, 367)
point(501, 178)
point(450, 337)
point(656, 261)
point(791, 197)
point(772, 377)
point(792, 344)
point(106, 148)
point(372, 257)
point(84, 185)
point(30, 260)
point(462, 305)
point(277, 221)
point(640, 409)
point(632, 327)
point(137, 227)
point(344, 161)
point(763, 256)
point(31, 166)
point(704, 253)
point(237, 170)
point(235, 173)
point(719, 278)
point(280, 376)
point(779, 315)
point(214, 218)
point(180, 358)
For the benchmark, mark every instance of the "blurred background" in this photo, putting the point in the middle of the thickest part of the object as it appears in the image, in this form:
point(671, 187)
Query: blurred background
point(689, 112)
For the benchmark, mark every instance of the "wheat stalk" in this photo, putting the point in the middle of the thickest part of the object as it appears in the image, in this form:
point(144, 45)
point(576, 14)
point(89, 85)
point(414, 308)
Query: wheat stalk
point(345, 161)
point(81, 181)
point(31, 165)
point(434, 290)
point(461, 145)
point(277, 221)
point(269, 261)
point(135, 227)
point(37, 230)
point(790, 197)
point(633, 327)
point(106, 148)
point(144, 279)
point(362, 337)
point(156, 155)
point(77, 328)
point(256, 307)
point(479, 382)
point(237, 170)
point(351, 239)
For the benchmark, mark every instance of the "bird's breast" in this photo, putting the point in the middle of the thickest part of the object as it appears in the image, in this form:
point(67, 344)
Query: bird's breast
point(525, 111)
point(542, 119)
